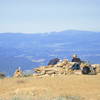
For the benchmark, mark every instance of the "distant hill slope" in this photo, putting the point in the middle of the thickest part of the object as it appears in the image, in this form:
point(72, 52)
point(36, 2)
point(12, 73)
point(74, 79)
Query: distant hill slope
point(32, 50)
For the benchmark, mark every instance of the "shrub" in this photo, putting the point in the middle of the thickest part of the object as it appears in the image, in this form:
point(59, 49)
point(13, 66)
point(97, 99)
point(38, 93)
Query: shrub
point(2, 75)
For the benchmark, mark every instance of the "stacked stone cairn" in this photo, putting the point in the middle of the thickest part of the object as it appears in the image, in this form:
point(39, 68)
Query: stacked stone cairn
point(57, 69)
point(64, 68)
point(61, 68)
point(18, 73)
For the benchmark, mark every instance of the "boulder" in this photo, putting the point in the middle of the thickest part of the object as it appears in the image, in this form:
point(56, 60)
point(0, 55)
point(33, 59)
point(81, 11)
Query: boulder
point(2, 75)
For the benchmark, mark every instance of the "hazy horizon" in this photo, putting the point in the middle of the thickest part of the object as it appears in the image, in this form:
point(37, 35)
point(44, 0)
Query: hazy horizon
point(40, 16)
point(50, 32)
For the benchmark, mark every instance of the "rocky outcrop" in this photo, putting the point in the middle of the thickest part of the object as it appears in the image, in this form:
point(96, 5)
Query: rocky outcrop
point(64, 68)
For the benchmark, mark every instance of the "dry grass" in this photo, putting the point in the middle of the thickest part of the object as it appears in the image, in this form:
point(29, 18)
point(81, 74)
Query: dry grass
point(69, 87)
point(47, 98)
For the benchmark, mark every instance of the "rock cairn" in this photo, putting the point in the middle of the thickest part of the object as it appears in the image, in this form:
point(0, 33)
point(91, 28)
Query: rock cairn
point(64, 68)
point(18, 73)
point(61, 68)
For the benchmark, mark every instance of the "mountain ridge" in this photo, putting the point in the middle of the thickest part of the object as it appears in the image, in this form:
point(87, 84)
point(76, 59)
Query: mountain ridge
point(71, 30)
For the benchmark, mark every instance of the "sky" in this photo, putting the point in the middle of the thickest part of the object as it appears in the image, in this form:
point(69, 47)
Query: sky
point(39, 16)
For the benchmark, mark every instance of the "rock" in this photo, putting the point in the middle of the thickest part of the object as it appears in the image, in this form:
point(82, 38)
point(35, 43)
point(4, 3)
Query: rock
point(51, 72)
point(18, 73)
point(78, 72)
point(62, 63)
point(40, 69)
point(96, 67)
point(2, 75)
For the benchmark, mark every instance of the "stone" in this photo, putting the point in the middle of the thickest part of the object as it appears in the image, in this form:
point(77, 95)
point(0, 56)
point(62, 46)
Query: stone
point(18, 73)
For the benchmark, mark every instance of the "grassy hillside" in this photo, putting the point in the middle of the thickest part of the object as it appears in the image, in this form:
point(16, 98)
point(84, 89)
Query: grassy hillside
point(69, 87)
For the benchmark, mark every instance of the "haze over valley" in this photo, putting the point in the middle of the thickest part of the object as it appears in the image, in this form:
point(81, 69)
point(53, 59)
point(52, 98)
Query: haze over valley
point(32, 50)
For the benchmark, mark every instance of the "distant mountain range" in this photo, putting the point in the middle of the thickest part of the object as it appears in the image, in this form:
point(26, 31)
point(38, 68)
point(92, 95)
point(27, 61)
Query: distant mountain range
point(32, 50)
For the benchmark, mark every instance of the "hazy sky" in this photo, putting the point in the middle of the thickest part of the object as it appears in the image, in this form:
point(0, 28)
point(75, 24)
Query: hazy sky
point(31, 16)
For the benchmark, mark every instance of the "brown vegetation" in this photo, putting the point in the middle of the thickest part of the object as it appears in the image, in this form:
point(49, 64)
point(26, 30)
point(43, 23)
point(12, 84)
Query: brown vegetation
point(83, 86)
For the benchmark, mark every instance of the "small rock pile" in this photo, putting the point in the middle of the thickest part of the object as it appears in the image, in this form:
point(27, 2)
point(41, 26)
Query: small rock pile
point(57, 69)
point(18, 73)
point(64, 68)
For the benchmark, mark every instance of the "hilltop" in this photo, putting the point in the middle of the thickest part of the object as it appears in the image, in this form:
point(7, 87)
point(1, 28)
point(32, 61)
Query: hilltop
point(74, 87)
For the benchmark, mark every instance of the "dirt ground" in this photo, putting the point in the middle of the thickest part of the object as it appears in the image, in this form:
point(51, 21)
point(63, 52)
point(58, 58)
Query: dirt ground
point(87, 87)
